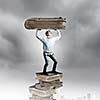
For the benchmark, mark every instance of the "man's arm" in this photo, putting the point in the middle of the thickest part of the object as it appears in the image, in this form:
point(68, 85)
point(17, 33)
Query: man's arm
point(58, 34)
point(38, 36)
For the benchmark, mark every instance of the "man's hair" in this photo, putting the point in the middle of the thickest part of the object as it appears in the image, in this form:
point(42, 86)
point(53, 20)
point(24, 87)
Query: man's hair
point(46, 33)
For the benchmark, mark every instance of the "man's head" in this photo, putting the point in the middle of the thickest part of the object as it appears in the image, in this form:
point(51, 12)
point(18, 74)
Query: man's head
point(48, 34)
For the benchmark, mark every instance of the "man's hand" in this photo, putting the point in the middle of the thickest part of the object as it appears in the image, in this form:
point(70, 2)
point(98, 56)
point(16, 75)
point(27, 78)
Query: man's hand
point(55, 29)
point(39, 29)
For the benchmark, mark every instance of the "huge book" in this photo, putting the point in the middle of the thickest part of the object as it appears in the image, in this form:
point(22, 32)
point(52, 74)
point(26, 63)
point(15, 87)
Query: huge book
point(45, 23)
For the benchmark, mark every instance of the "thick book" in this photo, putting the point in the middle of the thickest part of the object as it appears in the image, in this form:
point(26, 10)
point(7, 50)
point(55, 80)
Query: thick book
point(45, 23)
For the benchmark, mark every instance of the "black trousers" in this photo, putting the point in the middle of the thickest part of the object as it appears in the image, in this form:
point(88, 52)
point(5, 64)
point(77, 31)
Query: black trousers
point(45, 54)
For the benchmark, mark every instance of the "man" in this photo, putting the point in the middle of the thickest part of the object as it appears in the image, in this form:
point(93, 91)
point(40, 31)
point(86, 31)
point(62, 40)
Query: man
point(48, 44)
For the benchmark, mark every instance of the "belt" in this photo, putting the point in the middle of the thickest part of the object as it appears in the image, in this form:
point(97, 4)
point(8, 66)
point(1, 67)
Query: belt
point(48, 53)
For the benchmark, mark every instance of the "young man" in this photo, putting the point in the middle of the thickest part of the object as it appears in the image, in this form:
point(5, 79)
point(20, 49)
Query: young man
point(48, 44)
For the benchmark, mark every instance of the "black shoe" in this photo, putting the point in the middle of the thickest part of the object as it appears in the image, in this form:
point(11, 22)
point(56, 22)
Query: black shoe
point(55, 72)
point(45, 73)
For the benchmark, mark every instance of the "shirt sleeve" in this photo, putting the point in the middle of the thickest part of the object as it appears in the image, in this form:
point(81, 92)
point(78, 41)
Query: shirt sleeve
point(39, 37)
point(58, 35)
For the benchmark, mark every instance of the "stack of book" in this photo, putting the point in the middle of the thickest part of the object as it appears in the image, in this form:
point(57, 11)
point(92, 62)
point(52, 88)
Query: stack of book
point(46, 87)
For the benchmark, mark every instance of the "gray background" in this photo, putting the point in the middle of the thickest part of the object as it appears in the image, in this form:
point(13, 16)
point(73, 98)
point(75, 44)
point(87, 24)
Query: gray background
point(78, 51)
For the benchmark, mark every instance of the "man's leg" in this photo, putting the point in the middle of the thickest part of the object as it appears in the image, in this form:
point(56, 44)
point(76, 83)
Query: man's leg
point(46, 63)
point(55, 63)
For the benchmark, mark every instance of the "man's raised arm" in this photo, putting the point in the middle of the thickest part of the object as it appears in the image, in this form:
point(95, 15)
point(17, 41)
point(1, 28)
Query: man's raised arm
point(38, 36)
point(58, 34)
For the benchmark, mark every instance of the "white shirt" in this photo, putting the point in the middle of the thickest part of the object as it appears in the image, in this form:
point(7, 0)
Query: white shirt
point(48, 43)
